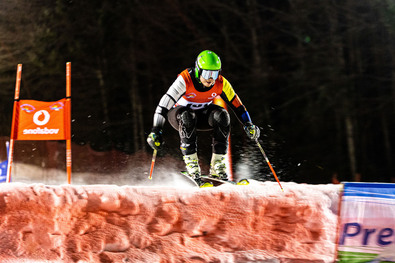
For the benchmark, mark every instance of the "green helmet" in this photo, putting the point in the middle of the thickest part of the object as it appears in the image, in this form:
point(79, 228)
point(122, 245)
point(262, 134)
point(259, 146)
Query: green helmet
point(208, 65)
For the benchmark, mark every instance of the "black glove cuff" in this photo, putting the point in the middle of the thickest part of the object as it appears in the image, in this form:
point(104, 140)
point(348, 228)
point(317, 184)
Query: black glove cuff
point(248, 124)
point(156, 130)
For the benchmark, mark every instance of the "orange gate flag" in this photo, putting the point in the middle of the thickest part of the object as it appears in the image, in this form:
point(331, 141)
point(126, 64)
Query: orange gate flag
point(40, 120)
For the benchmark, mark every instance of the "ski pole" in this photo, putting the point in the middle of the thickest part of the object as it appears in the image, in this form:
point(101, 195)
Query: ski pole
point(152, 164)
point(267, 160)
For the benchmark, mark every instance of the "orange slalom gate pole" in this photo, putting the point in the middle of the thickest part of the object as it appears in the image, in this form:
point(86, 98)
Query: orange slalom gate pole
point(270, 166)
point(68, 140)
point(16, 98)
point(220, 102)
point(10, 160)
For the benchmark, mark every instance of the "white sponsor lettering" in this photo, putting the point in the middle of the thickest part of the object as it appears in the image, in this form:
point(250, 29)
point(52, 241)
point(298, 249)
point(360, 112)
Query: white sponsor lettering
point(193, 105)
point(41, 131)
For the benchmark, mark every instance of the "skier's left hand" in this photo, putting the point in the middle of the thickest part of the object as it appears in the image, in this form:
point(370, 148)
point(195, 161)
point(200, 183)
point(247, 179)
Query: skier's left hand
point(252, 131)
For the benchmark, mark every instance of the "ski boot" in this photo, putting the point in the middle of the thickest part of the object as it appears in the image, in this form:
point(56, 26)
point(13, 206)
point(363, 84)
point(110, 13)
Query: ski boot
point(218, 167)
point(193, 168)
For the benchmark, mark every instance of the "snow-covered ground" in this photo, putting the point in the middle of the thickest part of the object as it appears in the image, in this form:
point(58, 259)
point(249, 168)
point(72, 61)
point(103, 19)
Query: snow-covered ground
point(172, 222)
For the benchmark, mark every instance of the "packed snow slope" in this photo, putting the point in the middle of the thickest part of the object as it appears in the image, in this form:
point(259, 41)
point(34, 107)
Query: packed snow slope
point(109, 223)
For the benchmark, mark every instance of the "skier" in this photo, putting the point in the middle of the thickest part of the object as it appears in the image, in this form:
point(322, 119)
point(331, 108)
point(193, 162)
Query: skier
point(188, 107)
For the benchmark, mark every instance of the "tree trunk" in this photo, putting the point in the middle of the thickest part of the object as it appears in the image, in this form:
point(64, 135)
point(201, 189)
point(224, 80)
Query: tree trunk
point(137, 112)
point(103, 94)
point(387, 143)
point(351, 147)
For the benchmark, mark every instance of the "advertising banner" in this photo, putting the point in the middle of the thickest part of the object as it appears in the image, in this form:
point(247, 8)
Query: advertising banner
point(40, 120)
point(367, 223)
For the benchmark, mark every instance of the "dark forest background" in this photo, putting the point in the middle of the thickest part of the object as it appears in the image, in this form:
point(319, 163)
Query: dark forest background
point(318, 77)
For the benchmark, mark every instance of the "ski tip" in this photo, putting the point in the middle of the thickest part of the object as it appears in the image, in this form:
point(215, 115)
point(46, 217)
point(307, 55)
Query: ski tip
point(206, 184)
point(243, 182)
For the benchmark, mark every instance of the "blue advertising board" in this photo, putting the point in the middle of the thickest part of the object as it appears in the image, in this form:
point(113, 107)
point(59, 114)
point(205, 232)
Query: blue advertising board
point(3, 167)
point(3, 171)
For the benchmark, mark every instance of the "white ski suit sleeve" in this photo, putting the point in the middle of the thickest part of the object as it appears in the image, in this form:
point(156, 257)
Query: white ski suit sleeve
point(173, 94)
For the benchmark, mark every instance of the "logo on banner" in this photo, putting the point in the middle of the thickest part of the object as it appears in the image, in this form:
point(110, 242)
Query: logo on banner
point(57, 106)
point(37, 117)
point(28, 108)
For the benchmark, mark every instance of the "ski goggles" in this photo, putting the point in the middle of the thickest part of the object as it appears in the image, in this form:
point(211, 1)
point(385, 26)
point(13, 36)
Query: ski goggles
point(207, 74)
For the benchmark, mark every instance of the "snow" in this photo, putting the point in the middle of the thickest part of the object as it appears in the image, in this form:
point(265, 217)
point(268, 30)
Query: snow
point(168, 223)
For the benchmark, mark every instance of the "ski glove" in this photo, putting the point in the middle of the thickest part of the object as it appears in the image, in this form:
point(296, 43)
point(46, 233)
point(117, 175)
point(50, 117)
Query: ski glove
point(155, 139)
point(252, 131)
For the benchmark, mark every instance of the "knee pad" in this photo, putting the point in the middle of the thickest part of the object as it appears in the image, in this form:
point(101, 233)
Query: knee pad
point(187, 118)
point(219, 117)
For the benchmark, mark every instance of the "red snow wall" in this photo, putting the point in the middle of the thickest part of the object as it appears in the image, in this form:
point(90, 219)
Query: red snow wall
point(107, 223)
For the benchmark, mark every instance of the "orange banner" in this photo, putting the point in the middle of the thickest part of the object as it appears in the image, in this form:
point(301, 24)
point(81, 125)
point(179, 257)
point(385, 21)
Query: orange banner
point(40, 120)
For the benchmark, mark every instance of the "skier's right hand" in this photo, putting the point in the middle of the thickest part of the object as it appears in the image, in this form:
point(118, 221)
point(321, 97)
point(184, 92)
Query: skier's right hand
point(252, 131)
point(155, 139)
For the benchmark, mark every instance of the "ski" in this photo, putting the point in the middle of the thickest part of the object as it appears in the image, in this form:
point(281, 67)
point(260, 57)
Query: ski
point(208, 181)
point(218, 182)
point(199, 183)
